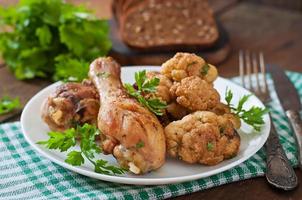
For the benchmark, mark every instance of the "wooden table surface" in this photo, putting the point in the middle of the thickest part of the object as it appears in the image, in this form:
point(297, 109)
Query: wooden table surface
point(276, 32)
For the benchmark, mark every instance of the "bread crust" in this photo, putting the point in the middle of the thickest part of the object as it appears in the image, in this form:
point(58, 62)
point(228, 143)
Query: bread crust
point(167, 25)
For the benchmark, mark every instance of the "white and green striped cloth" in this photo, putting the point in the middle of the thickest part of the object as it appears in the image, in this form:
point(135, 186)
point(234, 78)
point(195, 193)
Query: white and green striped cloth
point(24, 174)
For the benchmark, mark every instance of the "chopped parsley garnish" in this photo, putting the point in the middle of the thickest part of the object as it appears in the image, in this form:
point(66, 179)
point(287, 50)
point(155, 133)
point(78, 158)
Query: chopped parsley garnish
point(103, 74)
point(252, 116)
point(205, 68)
point(210, 146)
point(8, 104)
point(145, 86)
point(140, 144)
point(87, 133)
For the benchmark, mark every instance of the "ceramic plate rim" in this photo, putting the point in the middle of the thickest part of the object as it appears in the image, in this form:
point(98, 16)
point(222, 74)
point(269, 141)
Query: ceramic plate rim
point(132, 180)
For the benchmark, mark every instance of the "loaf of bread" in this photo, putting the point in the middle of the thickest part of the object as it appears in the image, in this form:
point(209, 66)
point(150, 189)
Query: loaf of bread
point(165, 24)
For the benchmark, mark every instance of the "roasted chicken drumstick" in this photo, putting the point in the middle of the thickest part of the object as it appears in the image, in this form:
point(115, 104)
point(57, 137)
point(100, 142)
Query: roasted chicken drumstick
point(129, 131)
point(71, 104)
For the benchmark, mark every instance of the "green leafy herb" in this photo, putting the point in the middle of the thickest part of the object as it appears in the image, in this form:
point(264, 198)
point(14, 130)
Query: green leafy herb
point(140, 144)
point(51, 38)
point(210, 146)
point(63, 141)
point(192, 63)
point(103, 74)
point(205, 68)
point(8, 104)
point(252, 116)
point(75, 158)
point(146, 86)
point(101, 166)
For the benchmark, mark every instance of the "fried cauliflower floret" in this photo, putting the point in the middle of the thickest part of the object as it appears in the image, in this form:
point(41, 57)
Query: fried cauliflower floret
point(195, 94)
point(202, 137)
point(183, 65)
point(223, 109)
point(174, 110)
point(163, 88)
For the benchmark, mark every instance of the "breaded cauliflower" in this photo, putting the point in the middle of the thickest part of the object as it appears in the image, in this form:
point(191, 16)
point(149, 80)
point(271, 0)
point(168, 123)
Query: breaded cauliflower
point(195, 94)
point(202, 137)
point(163, 88)
point(174, 110)
point(183, 65)
point(223, 109)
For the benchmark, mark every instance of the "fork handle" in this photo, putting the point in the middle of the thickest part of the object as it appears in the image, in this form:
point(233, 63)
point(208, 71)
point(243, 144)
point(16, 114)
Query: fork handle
point(279, 172)
point(296, 123)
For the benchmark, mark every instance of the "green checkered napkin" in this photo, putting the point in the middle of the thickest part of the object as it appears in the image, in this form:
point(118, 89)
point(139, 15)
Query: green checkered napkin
point(24, 174)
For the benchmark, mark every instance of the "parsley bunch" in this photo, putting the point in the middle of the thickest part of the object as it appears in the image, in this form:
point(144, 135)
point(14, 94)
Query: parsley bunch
point(8, 104)
point(145, 86)
point(87, 134)
point(252, 116)
point(51, 38)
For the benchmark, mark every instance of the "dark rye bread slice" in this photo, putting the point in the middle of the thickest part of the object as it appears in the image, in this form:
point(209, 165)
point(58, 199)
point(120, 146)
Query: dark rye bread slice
point(121, 6)
point(168, 24)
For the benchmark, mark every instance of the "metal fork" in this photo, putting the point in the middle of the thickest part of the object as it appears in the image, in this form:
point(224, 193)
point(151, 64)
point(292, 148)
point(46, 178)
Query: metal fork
point(279, 172)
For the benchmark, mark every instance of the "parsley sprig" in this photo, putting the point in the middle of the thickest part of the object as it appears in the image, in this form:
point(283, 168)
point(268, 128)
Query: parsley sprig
point(46, 39)
point(8, 104)
point(253, 116)
point(145, 86)
point(87, 133)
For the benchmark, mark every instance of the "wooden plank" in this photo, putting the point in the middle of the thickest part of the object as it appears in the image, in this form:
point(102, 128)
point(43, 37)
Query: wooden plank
point(220, 6)
point(275, 32)
point(12, 87)
point(282, 4)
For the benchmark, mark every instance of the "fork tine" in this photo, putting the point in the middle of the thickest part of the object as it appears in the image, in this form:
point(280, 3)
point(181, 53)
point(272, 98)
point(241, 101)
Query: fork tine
point(248, 69)
point(241, 68)
point(255, 72)
point(263, 72)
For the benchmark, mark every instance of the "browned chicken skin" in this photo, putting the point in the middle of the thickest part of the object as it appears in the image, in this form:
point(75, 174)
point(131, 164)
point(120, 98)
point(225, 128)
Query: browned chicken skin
point(71, 104)
point(130, 131)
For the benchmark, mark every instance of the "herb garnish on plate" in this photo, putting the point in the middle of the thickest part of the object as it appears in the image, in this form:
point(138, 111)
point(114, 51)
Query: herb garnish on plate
point(87, 135)
point(145, 86)
point(253, 116)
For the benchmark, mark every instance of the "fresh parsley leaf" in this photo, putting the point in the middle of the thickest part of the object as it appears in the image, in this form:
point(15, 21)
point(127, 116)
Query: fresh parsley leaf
point(150, 86)
point(146, 86)
point(44, 35)
point(75, 158)
point(205, 68)
point(51, 38)
point(70, 69)
point(87, 133)
point(252, 116)
point(8, 104)
point(156, 106)
point(101, 166)
point(228, 96)
point(140, 78)
point(103, 74)
point(210, 146)
point(140, 144)
point(242, 101)
point(60, 140)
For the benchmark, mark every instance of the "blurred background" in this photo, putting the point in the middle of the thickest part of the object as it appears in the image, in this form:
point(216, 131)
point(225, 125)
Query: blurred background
point(273, 27)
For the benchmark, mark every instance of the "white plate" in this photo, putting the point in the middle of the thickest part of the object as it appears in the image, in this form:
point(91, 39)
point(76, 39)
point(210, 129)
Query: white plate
point(34, 130)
